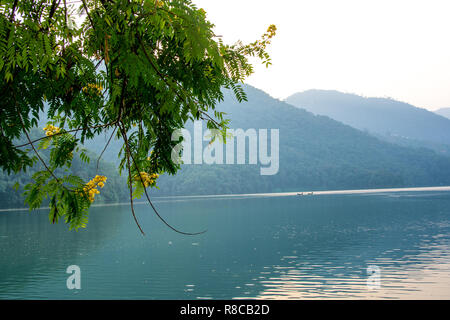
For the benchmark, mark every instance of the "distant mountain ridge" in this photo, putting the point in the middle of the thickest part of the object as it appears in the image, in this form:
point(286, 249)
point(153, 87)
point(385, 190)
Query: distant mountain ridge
point(445, 112)
point(380, 116)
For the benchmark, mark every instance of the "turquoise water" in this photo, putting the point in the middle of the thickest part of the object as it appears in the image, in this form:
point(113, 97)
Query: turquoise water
point(255, 247)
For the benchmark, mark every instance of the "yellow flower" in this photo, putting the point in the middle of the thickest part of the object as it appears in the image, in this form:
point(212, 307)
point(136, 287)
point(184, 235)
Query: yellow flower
point(91, 187)
point(94, 88)
point(145, 178)
point(51, 130)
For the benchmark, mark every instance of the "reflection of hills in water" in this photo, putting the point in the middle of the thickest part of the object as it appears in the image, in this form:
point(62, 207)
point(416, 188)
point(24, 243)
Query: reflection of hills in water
point(257, 247)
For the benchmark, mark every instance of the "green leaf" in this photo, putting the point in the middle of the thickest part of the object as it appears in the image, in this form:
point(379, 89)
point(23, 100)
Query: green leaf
point(16, 186)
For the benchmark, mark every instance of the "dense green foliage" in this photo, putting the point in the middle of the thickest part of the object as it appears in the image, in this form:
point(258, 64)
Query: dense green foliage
point(147, 64)
point(12, 186)
point(397, 121)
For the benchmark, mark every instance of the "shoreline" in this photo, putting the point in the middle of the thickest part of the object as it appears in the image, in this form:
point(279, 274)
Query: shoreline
point(275, 194)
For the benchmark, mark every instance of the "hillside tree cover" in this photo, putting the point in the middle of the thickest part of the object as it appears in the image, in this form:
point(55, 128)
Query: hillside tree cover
point(12, 186)
point(315, 152)
point(140, 68)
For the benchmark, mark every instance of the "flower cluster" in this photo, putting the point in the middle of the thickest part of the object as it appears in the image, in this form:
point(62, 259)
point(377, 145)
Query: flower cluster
point(93, 87)
point(51, 130)
point(148, 179)
point(271, 31)
point(91, 187)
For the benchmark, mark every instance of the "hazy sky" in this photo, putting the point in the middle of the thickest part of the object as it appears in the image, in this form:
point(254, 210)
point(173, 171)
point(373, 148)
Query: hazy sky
point(394, 48)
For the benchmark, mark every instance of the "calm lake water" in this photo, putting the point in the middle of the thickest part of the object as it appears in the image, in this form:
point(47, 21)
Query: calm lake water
point(256, 247)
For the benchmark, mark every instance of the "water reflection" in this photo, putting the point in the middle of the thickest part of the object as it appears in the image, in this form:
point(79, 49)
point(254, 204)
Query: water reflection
point(425, 276)
point(289, 247)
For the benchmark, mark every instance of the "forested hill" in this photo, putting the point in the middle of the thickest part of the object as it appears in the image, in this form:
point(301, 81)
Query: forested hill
point(316, 153)
point(398, 121)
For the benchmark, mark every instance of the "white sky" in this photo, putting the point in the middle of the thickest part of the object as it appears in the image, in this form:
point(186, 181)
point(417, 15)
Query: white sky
point(382, 48)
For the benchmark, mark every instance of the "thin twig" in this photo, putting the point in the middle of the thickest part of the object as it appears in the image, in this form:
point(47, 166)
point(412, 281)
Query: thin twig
point(11, 17)
point(87, 12)
point(145, 190)
point(185, 99)
point(209, 117)
point(65, 13)
point(67, 131)
point(32, 145)
point(130, 183)
point(106, 146)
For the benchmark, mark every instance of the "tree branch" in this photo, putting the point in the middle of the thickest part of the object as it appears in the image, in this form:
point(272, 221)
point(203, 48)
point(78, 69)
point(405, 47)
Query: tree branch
point(106, 146)
point(145, 190)
point(185, 99)
point(11, 17)
point(87, 12)
point(31, 143)
point(67, 131)
point(124, 135)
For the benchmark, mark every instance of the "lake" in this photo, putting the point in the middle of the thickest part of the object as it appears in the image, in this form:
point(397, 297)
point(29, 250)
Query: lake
point(262, 247)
